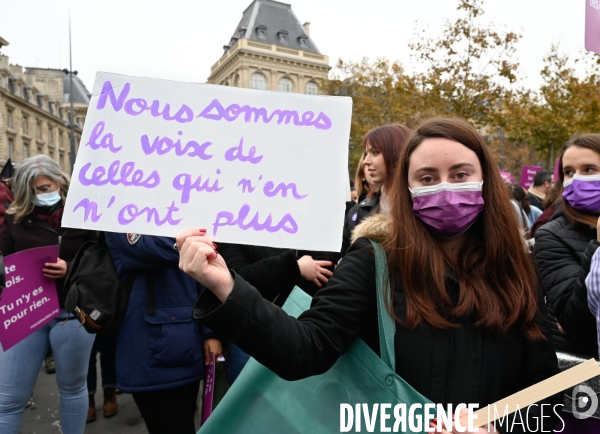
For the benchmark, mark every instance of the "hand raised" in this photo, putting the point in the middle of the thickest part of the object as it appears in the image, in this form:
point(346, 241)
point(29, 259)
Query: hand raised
point(314, 271)
point(198, 258)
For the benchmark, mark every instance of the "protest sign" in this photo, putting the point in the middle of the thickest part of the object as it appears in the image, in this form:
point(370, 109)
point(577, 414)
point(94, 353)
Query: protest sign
point(29, 300)
point(528, 174)
point(507, 176)
point(592, 25)
point(253, 167)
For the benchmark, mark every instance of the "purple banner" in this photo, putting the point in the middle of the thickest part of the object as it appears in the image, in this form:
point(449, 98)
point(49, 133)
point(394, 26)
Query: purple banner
point(29, 300)
point(557, 169)
point(209, 389)
point(507, 176)
point(592, 25)
point(527, 175)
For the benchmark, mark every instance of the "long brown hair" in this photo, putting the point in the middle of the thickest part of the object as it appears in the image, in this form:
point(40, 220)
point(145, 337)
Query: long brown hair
point(588, 141)
point(497, 276)
point(360, 183)
point(389, 140)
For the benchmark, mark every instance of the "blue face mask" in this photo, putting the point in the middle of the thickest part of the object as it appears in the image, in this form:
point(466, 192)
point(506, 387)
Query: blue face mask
point(47, 199)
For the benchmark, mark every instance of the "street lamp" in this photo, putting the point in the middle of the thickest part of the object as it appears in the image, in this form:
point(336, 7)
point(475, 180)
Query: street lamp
point(71, 125)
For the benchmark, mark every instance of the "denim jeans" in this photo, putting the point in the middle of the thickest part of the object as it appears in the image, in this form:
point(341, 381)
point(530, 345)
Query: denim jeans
point(236, 360)
point(20, 365)
point(106, 345)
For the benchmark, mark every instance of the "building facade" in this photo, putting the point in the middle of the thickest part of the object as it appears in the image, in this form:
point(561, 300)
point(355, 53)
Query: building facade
point(34, 112)
point(271, 50)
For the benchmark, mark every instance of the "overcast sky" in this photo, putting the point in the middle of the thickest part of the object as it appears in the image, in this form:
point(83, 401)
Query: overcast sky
point(181, 39)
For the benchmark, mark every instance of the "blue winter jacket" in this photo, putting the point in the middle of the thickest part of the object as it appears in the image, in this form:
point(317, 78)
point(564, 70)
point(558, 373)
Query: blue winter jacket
point(164, 350)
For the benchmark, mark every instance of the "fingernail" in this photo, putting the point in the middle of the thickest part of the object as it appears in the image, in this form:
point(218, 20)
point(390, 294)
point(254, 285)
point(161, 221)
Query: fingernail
point(202, 230)
point(216, 253)
point(215, 246)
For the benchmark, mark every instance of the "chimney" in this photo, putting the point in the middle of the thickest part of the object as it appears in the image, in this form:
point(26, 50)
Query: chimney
point(306, 26)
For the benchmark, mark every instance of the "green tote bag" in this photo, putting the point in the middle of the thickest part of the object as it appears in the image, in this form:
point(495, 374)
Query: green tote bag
point(259, 402)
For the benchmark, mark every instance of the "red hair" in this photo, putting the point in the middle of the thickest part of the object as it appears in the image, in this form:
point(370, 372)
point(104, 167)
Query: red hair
point(498, 283)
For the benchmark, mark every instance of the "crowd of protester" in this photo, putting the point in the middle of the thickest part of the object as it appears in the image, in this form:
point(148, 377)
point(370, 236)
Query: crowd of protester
point(488, 281)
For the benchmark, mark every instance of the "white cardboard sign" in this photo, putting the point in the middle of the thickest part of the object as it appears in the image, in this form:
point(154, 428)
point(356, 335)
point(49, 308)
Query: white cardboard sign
point(252, 167)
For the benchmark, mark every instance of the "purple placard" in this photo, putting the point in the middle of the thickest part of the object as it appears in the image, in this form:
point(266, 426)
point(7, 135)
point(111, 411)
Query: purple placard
point(527, 175)
point(507, 176)
point(29, 300)
point(592, 25)
point(209, 389)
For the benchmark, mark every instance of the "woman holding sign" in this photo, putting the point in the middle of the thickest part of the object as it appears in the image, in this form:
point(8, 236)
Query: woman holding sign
point(464, 290)
point(33, 220)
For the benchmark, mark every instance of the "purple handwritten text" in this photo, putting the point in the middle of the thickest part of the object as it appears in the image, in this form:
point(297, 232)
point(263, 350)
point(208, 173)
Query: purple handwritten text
point(107, 140)
point(162, 145)
point(131, 212)
point(237, 153)
point(116, 175)
point(137, 106)
point(183, 182)
point(225, 218)
point(216, 112)
point(270, 190)
point(90, 208)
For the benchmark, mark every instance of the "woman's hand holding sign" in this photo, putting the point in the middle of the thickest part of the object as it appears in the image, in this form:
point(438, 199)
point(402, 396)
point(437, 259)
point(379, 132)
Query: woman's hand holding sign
point(55, 270)
point(199, 258)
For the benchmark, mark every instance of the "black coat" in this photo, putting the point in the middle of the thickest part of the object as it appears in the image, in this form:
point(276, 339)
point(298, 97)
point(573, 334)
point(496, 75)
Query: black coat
point(35, 230)
point(358, 213)
point(274, 272)
point(535, 201)
point(458, 365)
point(563, 255)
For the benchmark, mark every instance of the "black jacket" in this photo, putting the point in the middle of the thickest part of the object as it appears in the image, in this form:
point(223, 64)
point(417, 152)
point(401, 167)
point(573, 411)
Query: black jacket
point(357, 213)
point(535, 201)
point(453, 366)
point(274, 272)
point(563, 255)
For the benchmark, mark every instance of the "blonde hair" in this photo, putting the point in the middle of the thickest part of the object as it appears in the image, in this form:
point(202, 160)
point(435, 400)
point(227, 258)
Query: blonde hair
point(26, 173)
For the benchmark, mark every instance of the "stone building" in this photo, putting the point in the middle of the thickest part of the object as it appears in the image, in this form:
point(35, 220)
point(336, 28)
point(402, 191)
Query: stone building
point(34, 112)
point(271, 50)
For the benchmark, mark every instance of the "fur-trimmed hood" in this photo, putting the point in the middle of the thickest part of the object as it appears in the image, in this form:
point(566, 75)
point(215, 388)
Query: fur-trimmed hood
point(375, 227)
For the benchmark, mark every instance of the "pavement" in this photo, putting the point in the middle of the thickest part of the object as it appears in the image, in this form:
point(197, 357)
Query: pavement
point(43, 416)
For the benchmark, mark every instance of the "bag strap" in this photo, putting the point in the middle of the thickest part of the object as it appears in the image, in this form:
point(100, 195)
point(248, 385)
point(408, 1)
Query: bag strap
point(387, 325)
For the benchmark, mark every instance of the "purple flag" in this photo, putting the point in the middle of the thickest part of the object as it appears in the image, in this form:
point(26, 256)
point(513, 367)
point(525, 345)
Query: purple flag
point(29, 300)
point(527, 175)
point(592, 25)
point(209, 390)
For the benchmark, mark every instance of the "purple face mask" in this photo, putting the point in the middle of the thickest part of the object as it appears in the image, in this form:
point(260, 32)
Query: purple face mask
point(583, 193)
point(449, 209)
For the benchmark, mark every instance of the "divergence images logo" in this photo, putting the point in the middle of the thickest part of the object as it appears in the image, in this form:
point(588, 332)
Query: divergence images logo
point(584, 402)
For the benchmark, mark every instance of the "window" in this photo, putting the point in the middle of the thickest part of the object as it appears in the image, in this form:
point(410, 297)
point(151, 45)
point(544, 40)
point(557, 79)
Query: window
point(11, 145)
point(286, 85)
point(60, 138)
point(38, 131)
point(40, 102)
point(50, 134)
point(25, 125)
point(9, 119)
point(283, 37)
point(26, 94)
point(261, 32)
point(311, 88)
point(236, 81)
point(51, 108)
point(258, 81)
point(25, 150)
point(303, 40)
